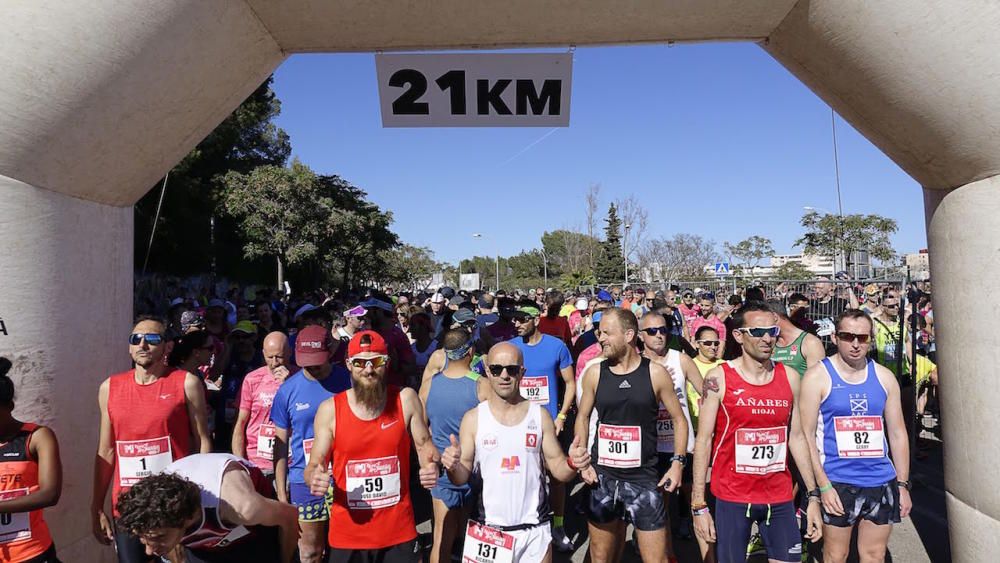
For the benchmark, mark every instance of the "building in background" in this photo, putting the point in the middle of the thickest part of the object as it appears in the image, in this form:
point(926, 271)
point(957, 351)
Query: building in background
point(919, 265)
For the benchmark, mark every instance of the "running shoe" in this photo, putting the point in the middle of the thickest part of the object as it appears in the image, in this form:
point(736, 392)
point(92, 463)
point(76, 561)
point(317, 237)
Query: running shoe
point(560, 541)
point(756, 546)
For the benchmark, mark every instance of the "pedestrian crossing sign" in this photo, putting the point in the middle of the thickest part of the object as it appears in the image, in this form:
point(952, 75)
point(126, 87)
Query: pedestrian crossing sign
point(722, 268)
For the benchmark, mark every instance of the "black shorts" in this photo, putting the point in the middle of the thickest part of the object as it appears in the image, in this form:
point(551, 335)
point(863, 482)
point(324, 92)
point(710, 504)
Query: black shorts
point(406, 552)
point(262, 544)
point(641, 504)
point(663, 464)
point(879, 505)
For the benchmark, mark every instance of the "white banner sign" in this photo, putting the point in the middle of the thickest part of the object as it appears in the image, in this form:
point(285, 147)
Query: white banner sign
point(475, 89)
point(469, 282)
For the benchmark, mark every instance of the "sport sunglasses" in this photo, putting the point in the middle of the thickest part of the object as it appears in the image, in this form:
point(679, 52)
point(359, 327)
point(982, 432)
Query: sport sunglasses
point(708, 342)
point(760, 331)
point(496, 370)
point(852, 336)
point(151, 338)
point(654, 330)
point(376, 362)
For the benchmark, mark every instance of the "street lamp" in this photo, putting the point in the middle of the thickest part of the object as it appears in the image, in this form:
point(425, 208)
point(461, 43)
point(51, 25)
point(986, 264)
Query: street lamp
point(480, 235)
point(625, 251)
point(545, 268)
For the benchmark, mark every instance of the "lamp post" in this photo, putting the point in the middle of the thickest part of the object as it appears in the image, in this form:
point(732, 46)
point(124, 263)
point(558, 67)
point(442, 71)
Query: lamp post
point(545, 268)
point(479, 236)
point(625, 251)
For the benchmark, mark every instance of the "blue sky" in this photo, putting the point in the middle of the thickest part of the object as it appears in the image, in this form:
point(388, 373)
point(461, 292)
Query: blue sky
point(716, 139)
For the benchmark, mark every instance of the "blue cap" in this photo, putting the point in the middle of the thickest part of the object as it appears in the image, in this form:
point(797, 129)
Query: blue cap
point(596, 317)
point(603, 295)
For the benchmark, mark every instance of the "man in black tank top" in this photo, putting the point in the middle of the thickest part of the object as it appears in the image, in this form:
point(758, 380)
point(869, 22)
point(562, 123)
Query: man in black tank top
point(625, 390)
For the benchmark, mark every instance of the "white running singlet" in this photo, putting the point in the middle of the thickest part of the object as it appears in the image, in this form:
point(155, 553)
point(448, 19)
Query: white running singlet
point(509, 463)
point(664, 424)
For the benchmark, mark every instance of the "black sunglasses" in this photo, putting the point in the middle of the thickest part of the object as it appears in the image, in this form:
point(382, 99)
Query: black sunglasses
point(152, 338)
point(654, 330)
point(708, 342)
point(851, 337)
point(496, 370)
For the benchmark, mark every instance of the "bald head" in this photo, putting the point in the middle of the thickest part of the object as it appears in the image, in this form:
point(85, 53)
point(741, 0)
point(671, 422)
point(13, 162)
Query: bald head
point(505, 353)
point(506, 384)
point(276, 351)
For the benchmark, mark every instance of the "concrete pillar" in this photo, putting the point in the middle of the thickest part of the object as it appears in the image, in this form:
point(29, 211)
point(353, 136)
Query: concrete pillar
point(66, 306)
point(964, 241)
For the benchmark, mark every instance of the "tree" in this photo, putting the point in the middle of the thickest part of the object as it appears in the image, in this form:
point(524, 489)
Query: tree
point(410, 267)
point(751, 251)
point(610, 263)
point(682, 257)
point(634, 218)
point(792, 270)
point(185, 242)
point(835, 236)
point(593, 200)
point(279, 210)
point(567, 251)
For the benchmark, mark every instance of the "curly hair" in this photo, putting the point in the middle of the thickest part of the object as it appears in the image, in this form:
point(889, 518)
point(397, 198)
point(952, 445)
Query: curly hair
point(164, 500)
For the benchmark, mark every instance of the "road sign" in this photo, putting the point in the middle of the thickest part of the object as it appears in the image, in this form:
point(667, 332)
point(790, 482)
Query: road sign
point(475, 89)
point(722, 269)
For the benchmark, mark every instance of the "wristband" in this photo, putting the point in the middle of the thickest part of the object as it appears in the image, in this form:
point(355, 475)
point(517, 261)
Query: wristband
point(905, 484)
point(569, 462)
point(679, 458)
point(561, 416)
point(826, 488)
point(699, 510)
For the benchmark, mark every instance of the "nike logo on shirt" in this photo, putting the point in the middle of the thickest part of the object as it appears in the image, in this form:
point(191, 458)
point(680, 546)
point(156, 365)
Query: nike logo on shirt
point(165, 397)
point(384, 425)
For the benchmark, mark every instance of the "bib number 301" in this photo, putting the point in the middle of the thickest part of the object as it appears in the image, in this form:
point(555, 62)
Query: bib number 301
point(484, 544)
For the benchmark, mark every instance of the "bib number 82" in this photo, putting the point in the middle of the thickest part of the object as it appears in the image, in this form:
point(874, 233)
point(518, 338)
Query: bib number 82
point(763, 452)
point(860, 438)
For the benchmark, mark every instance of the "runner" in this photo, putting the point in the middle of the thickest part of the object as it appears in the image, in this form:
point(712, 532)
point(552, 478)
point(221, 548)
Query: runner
point(293, 413)
point(253, 437)
point(653, 331)
point(509, 438)
point(366, 434)
point(708, 345)
point(747, 447)
point(889, 345)
point(626, 390)
point(218, 507)
point(707, 317)
point(850, 405)
point(546, 359)
point(795, 347)
point(151, 415)
point(30, 480)
point(447, 397)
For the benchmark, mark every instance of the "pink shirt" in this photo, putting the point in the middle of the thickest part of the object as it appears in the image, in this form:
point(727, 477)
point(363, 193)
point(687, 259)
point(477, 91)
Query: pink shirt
point(259, 387)
point(589, 353)
point(711, 321)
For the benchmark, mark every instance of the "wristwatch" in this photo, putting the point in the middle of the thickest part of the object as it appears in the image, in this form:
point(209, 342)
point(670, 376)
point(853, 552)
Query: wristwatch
point(816, 493)
point(679, 458)
point(905, 484)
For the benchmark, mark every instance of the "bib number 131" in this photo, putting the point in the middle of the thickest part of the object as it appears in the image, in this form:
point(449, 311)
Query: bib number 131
point(484, 544)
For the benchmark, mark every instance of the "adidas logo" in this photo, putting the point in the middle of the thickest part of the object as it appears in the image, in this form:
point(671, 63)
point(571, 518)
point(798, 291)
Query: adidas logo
point(625, 385)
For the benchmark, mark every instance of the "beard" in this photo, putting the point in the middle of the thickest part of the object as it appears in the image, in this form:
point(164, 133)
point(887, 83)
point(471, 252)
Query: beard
point(370, 395)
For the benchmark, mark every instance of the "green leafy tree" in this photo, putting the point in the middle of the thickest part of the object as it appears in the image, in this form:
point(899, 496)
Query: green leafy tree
point(183, 244)
point(577, 279)
point(611, 264)
point(409, 267)
point(568, 251)
point(280, 212)
point(751, 251)
point(835, 236)
point(792, 270)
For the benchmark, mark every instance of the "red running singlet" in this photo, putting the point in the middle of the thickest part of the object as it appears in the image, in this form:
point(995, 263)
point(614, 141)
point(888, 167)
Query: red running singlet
point(750, 453)
point(149, 425)
point(371, 474)
point(23, 535)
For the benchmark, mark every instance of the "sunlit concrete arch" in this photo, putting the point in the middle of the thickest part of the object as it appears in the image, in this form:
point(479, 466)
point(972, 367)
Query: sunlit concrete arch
point(99, 99)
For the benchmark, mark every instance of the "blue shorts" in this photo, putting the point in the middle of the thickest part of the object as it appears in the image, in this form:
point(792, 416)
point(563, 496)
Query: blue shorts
point(311, 508)
point(775, 522)
point(453, 496)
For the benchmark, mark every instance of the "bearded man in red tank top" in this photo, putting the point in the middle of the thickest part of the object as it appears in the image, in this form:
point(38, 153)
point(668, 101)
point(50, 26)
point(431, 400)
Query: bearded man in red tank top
point(748, 423)
point(365, 432)
point(150, 416)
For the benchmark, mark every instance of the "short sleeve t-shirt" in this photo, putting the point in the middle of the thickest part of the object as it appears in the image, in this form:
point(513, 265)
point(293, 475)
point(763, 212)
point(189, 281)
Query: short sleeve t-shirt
point(542, 364)
point(256, 398)
point(294, 410)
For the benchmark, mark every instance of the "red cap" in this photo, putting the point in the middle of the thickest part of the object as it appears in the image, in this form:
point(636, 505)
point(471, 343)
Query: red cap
point(312, 346)
point(367, 342)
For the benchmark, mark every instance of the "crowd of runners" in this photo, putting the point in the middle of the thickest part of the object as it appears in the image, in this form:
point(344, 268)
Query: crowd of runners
point(301, 429)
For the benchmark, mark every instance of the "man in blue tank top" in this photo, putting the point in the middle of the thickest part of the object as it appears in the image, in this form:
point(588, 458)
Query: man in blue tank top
point(850, 408)
point(447, 396)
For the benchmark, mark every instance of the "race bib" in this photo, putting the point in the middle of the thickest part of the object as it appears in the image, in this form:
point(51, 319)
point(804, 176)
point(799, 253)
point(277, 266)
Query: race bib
point(825, 327)
point(487, 545)
point(14, 526)
point(307, 448)
point(265, 442)
point(535, 389)
point(761, 450)
point(372, 483)
point(664, 431)
point(138, 459)
point(619, 446)
point(859, 436)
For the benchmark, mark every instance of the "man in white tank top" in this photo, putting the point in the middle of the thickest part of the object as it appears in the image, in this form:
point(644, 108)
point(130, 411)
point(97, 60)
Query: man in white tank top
point(504, 442)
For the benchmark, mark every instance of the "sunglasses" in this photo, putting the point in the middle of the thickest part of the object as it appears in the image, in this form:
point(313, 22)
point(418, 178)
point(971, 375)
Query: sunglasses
point(708, 342)
point(761, 331)
point(892, 306)
point(523, 318)
point(654, 330)
point(851, 337)
point(496, 370)
point(152, 338)
point(376, 362)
